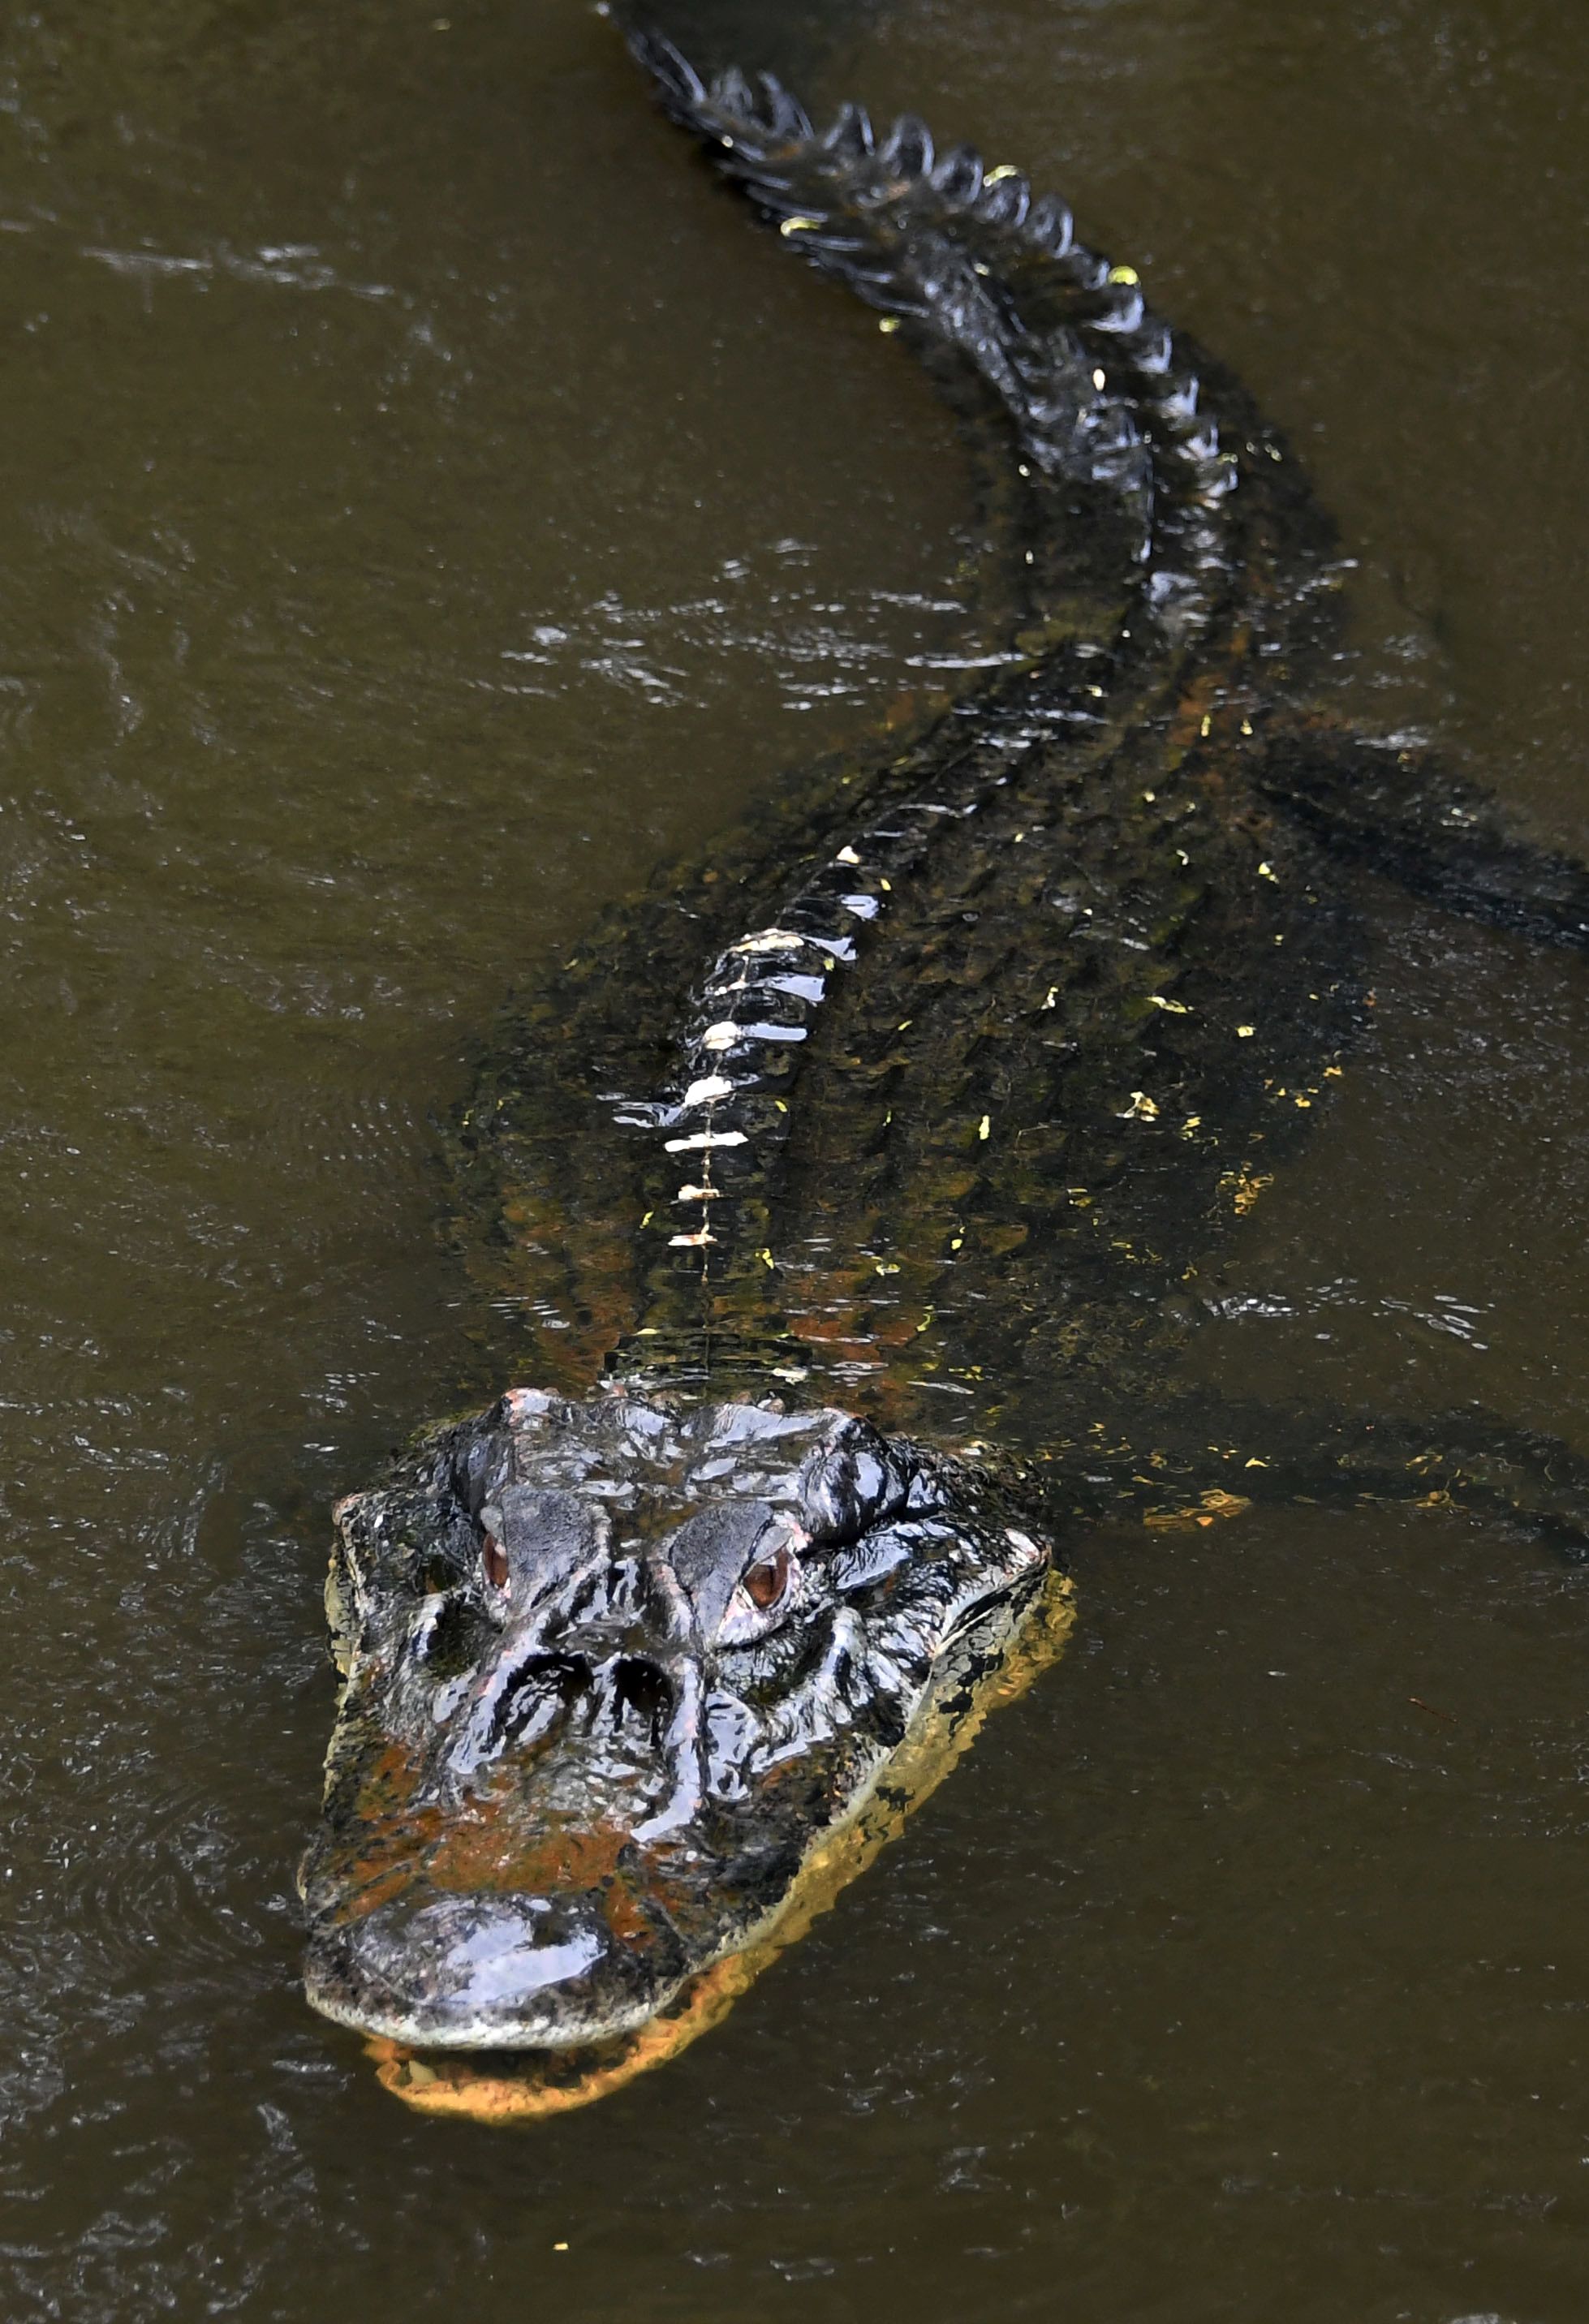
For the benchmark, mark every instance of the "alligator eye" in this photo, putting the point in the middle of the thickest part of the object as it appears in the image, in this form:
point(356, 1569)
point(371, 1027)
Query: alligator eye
point(766, 1581)
point(494, 1557)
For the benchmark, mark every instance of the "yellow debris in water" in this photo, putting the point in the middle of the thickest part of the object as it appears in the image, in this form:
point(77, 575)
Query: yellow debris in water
point(799, 225)
point(1243, 1187)
point(984, 1127)
point(1245, 1032)
point(1124, 274)
point(889, 323)
point(1212, 1505)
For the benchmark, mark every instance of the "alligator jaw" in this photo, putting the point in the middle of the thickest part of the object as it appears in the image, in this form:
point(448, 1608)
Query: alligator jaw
point(991, 1666)
point(616, 1672)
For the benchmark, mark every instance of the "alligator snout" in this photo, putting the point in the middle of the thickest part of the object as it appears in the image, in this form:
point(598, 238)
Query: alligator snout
point(484, 1971)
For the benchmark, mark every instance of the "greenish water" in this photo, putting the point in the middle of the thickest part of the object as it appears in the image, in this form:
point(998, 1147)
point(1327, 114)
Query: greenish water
point(423, 505)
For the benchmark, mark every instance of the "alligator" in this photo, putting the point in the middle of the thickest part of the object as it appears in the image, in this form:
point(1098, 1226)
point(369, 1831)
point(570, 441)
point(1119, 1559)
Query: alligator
point(855, 1186)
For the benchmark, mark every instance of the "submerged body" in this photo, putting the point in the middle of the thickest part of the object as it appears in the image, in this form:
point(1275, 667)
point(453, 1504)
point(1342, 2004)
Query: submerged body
point(932, 1093)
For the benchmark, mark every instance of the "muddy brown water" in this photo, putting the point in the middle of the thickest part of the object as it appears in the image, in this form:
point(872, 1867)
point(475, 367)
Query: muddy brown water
point(424, 504)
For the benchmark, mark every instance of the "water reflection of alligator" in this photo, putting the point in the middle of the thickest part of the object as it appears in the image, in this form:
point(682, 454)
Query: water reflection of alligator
point(954, 1072)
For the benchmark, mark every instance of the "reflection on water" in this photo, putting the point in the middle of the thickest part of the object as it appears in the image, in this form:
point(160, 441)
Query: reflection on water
point(425, 506)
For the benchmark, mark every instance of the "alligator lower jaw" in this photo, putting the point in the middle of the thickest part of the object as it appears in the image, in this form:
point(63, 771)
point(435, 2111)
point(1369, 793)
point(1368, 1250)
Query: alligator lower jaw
point(519, 2087)
point(388, 2032)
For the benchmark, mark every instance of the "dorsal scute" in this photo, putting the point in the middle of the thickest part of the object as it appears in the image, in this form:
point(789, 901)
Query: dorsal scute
point(849, 137)
point(1050, 226)
point(907, 151)
point(1005, 199)
point(957, 176)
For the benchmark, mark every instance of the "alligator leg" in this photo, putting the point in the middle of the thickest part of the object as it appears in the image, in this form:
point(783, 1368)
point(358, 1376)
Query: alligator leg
point(1201, 1459)
point(1407, 817)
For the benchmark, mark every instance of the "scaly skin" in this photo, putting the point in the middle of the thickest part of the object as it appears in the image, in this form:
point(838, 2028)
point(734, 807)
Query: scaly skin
point(930, 1093)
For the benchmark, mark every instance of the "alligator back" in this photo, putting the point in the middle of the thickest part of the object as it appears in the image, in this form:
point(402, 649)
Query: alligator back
point(971, 1043)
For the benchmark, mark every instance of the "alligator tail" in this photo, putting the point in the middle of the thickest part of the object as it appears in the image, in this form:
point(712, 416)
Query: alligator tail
point(1101, 398)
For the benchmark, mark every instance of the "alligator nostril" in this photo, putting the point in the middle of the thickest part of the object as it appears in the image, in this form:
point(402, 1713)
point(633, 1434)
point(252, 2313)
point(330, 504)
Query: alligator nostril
point(451, 1635)
point(547, 1687)
point(643, 1694)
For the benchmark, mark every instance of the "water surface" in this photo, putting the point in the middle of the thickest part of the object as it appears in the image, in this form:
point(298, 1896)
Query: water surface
point(423, 505)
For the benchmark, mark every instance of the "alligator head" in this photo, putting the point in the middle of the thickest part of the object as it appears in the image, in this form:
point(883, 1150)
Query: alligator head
point(613, 1671)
